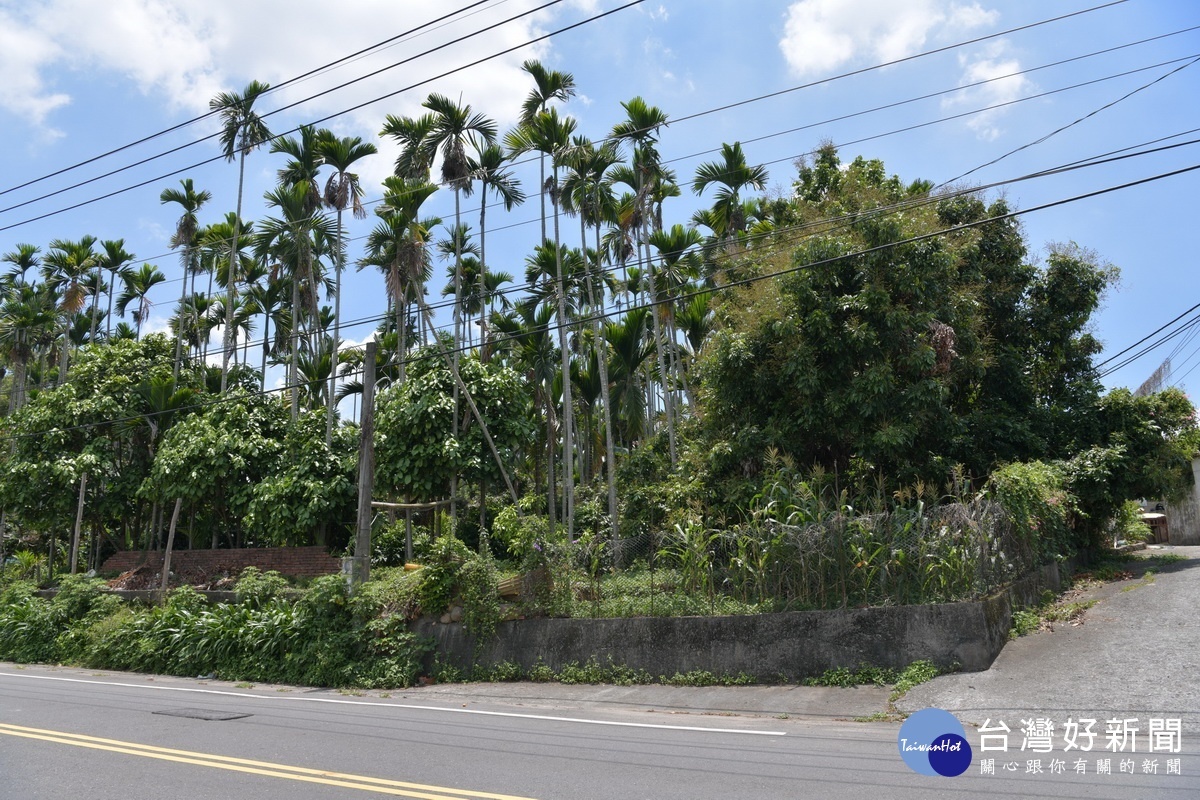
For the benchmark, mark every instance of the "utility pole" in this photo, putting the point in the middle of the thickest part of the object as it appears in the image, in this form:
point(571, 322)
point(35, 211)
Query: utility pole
point(359, 568)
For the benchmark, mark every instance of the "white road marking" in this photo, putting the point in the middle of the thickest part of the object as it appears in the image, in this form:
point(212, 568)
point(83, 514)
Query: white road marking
point(410, 706)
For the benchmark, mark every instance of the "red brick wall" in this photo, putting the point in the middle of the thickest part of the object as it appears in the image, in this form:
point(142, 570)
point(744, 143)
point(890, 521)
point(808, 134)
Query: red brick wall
point(297, 561)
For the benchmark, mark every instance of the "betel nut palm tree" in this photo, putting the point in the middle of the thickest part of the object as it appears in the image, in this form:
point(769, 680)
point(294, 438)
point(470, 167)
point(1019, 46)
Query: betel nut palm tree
point(490, 170)
point(342, 191)
point(65, 270)
point(242, 130)
point(732, 174)
point(640, 130)
point(187, 229)
point(138, 284)
point(550, 135)
point(114, 258)
point(454, 128)
point(548, 85)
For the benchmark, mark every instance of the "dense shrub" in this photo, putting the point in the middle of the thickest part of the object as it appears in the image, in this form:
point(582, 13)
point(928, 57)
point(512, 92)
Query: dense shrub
point(324, 638)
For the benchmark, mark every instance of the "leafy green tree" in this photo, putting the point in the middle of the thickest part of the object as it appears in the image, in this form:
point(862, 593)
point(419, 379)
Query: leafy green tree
point(418, 452)
point(92, 424)
point(1142, 449)
point(214, 459)
point(309, 495)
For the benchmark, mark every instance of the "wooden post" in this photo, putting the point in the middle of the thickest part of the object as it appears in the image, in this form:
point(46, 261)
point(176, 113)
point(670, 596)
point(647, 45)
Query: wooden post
point(166, 569)
point(78, 524)
point(361, 570)
point(408, 535)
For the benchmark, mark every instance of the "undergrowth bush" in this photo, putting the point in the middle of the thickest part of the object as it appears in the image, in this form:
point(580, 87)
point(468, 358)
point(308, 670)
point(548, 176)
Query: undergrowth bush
point(324, 638)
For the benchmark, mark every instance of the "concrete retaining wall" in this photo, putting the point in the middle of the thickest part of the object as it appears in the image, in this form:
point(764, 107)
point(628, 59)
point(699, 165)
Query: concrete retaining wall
point(1183, 517)
point(295, 561)
point(786, 646)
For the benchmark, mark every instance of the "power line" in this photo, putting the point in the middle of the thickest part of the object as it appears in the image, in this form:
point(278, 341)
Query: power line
point(185, 146)
point(547, 36)
point(951, 90)
point(275, 88)
point(1069, 125)
point(1154, 332)
point(823, 225)
point(894, 62)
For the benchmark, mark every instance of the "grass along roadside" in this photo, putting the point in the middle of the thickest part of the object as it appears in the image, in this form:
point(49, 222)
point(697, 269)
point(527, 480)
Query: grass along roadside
point(1070, 606)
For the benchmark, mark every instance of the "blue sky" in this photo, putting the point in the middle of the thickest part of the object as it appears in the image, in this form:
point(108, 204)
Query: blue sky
point(81, 78)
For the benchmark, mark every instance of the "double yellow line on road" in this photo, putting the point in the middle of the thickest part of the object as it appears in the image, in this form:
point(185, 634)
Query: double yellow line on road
point(248, 766)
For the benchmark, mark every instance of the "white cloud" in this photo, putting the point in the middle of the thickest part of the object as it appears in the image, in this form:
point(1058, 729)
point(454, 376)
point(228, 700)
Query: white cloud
point(821, 35)
point(182, 53)
point(156, 323)
point(23, 54)
point(991, 64)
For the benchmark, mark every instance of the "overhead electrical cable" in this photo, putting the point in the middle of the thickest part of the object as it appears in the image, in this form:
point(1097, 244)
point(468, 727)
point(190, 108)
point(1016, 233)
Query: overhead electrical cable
point(1069, 125)
point(526, 44)
point(1151, 347)
point(215, 135)
point(894, 62)
point(824, 225)
point(1154, 332)
point(960, 88)
point(274, 88)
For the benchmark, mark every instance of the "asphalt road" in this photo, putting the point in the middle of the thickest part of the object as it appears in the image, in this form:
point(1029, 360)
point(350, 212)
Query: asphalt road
point(112, 736)
point(1136, 654)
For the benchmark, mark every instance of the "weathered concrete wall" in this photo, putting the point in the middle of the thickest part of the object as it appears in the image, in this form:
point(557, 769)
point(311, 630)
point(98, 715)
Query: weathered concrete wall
point(789, 646)
point(296, 561)
point(1183, 518)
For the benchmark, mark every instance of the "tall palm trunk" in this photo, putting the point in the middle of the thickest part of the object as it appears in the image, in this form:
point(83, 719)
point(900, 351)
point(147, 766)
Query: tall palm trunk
point(231, 278)
point(266, 346)
point(402, 334)
point(659, 343)
point(179, 323)
point(483, 299)
point(95, 309)
point(551, 446)
point(610, 450)
point(112, 290)
point(337, 318)
point(66, 346)
point(294, 338)
point(568, 409)
point(457, 336)
point(207, 312)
